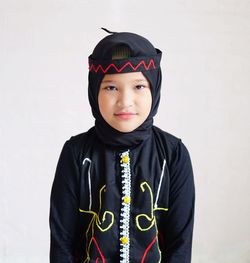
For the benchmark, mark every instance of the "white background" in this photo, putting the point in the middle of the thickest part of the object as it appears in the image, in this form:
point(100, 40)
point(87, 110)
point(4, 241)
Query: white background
point(44, 47)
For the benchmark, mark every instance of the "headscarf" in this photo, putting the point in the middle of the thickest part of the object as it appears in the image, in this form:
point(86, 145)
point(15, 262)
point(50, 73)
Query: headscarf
point(145, 58)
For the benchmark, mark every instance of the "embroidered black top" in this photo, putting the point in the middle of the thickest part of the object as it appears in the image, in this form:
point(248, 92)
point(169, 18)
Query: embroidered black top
point(146, 202)
point(123, 197)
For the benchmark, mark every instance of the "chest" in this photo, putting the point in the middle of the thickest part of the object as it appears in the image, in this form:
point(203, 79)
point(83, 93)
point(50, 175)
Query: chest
point(138, 177)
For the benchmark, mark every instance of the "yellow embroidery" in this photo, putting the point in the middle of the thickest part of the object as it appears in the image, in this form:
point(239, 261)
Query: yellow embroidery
point(150, 218)
point(97, 215)
point(95, 220)
point(157, 242)
point(160, 209)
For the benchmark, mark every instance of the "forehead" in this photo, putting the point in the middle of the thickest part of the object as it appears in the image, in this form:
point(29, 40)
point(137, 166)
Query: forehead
point(130, 77)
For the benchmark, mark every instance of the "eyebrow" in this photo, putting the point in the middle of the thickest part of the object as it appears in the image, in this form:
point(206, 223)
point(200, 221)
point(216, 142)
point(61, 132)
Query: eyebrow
point(107, 80)
point(110, 80)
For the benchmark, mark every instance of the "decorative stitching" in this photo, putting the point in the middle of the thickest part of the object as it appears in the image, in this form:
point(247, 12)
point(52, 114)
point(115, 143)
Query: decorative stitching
point(94, 68)
point(89, 181)
point(159, 187)
point(157, 242)
point(147, 249)
point(97, 215)
point(125, 212)
point(150, 218)
point(125, 208)
point(96, 221)
point(99, 250)
point(160, 209)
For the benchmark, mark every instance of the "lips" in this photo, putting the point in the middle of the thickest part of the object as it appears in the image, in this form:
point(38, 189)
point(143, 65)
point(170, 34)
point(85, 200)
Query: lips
point(125, 115)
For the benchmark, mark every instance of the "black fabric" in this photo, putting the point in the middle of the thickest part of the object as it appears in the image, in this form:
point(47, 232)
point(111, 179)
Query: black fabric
point(141, 49)
point(71, 191)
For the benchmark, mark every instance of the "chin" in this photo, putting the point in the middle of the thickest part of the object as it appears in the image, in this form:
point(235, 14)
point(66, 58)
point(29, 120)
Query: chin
point(124, 129)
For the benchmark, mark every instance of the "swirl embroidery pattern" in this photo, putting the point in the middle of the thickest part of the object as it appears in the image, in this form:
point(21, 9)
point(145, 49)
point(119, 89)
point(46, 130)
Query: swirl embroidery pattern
point(96, 221)
point(151, 220)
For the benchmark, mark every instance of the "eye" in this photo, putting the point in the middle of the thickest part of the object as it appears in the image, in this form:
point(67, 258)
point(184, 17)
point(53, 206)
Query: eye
point(140, 87)
point(110, 88)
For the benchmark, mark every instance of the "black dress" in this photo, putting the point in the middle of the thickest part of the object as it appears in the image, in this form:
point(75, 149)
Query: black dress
point(122, 205)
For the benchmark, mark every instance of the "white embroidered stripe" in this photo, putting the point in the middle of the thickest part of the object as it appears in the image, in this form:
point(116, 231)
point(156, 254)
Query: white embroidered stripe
point(159, 187)
point(125, 209)
point(89, 180)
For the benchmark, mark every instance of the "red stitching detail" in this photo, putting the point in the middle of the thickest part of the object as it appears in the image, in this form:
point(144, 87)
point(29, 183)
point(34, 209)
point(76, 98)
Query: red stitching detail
point(99, 250)
point(150, 64)
point(96, 261)
point(147, 249)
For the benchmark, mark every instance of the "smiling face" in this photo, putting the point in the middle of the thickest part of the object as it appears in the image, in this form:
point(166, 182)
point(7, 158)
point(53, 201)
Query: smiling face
point(125, 100)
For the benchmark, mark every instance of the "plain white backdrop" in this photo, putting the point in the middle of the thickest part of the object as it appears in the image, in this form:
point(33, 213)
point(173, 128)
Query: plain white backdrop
point(44, 47)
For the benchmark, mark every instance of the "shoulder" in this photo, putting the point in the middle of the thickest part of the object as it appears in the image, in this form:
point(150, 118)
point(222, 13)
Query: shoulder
point(171, 144)
point(79, 143)
point(82, 137)
point(171, 139)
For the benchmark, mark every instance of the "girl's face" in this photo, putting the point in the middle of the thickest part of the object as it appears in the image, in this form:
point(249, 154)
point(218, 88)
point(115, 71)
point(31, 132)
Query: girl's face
point(125, 100)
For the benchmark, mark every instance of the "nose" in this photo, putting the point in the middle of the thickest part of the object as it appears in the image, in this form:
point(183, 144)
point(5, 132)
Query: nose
point(125, 99)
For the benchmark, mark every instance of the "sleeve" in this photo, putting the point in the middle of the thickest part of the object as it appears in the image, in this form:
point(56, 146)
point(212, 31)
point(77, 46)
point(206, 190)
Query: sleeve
point(180, 216)
point(64, 208)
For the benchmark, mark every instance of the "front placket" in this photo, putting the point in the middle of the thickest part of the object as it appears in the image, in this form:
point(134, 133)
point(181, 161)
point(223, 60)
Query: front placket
point(125, 207)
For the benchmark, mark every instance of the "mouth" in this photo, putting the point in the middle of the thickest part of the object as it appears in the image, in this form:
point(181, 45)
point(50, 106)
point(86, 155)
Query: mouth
point(125, 115)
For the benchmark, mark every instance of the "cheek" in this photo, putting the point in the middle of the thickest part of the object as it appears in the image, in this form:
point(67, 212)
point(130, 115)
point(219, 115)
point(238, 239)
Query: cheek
point(105, 103)
point(147, 103)
point(102, 102)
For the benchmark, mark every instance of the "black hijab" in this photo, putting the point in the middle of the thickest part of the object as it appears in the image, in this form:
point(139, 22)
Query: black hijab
point(143, 58)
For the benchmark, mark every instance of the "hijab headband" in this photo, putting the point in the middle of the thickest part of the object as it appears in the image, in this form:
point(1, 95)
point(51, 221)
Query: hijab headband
point(131, 64)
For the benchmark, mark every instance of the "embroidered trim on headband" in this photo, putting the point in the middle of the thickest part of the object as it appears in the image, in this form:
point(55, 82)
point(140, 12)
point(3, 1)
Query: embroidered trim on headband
point(96, 68)
point(131, 64)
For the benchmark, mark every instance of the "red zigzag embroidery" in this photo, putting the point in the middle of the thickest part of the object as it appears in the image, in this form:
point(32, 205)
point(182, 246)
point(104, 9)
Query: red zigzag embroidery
point(150, 64)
